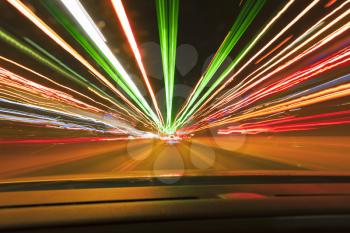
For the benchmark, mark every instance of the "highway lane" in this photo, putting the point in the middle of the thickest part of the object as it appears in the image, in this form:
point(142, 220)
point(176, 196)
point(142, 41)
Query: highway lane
point(154, 157)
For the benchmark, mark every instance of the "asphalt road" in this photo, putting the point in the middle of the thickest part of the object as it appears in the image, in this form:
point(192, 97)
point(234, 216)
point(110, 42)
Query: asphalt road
point(154, 157)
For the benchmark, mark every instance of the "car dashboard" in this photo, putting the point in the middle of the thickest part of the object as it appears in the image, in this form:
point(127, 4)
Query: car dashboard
point(273, 206)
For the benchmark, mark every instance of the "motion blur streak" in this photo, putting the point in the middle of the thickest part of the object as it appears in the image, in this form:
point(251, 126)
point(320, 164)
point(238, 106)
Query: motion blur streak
point(52, 81)
point(316, 46)
point(329, 94)
point(274, 49)
point(119, 9)
point(338, 59)
point(15, 81)
point(63, 140)
point(244, 82)
point(82, 17)
point(167, 17)
point(173, 87)
point(249, 12)
point(54, 36)
point(286, 123)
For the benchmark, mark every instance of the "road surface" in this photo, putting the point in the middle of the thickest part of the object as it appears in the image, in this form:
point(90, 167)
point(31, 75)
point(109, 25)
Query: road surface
point(155, 157)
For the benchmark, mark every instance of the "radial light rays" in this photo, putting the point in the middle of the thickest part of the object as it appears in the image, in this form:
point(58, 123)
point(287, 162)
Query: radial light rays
point(55, 37)
point(85, 21)
point(120, 11)
point(52, 108)
point(289, 71)
point(245, 18)
point(339, 59)
point(290, 123)
point(199, 104)
point(167, 15)
point(310, 32)
point(233, 96)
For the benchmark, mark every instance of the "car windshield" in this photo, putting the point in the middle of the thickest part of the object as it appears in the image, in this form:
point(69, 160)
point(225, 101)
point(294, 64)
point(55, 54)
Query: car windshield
point(173, 88)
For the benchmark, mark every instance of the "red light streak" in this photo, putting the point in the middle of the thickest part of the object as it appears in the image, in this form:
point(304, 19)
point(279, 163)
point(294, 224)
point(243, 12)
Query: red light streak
point(61, 140)
point(290, 123)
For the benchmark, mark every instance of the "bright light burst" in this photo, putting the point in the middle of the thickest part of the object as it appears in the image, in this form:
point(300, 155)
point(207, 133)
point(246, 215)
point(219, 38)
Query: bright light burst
point(276, 82)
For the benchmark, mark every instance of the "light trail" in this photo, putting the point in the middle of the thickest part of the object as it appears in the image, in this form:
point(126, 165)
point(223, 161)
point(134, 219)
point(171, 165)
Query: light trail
point(297, 18)
point(55, 37)
point(238, 90)
point(167, 17)
point(290, 123)
point(123, 19)
point(274, 49)
point(200, 103)
point(62, 140)
point(246, 81)
point(52, 106)
point(13, 80)
point(245, 18)
point(75, 8)
point(62, 70)
point(301, 63)
point(96, 55)
point(334, 61)
point(322, 96)
point(341, 58)
point(330, 3)
point(58, 84)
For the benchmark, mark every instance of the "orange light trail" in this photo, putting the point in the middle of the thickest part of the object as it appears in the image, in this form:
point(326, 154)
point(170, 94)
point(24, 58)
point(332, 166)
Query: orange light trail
point(322, 96)
point(266, 28)
point(297, 18)
point(330, 3)
point(274, 49)
point(55, 37)
point(290, 123)
point(123, 19)
point(62, 86)
point(322, 42)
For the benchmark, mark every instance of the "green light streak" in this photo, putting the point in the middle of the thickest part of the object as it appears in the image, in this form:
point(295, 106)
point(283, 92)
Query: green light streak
point(167, 16)
point(245, 18)
point(103, 62)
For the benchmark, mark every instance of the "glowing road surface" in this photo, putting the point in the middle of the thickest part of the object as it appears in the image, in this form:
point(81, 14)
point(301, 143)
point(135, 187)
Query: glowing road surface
point(154, 157)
